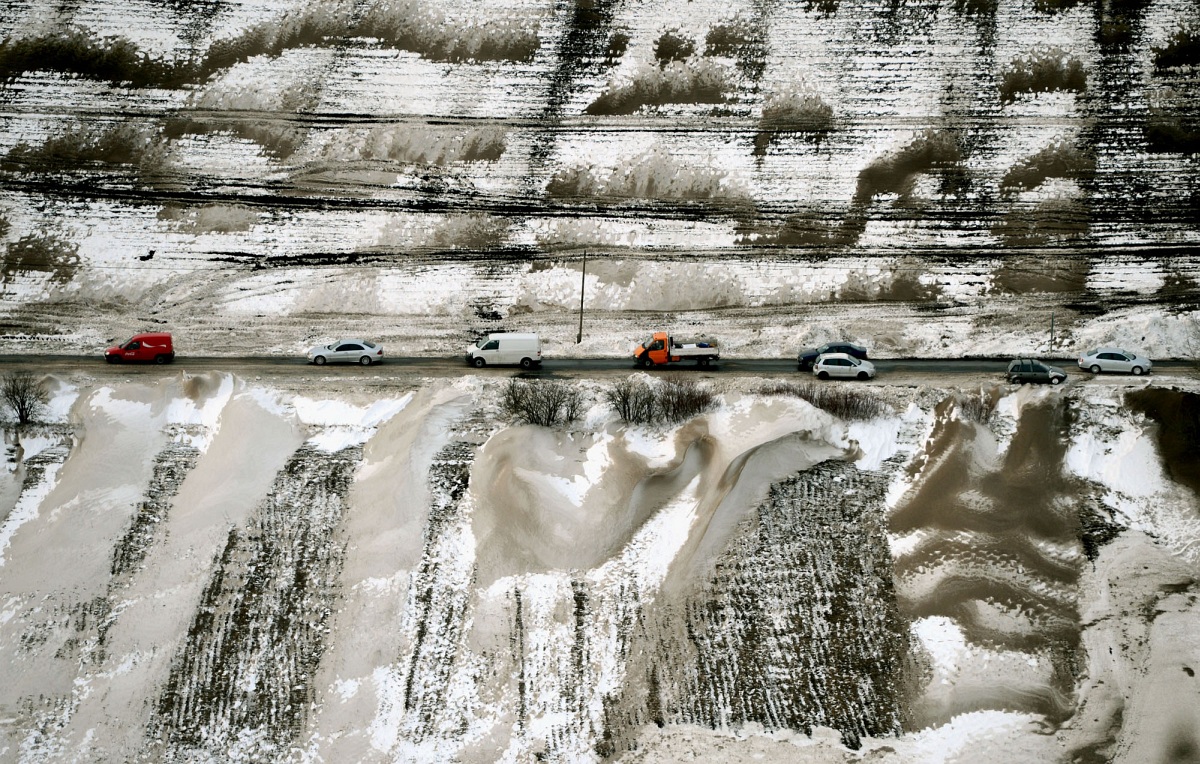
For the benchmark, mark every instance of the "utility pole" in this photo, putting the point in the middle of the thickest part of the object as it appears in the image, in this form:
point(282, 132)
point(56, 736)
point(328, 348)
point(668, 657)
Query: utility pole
point(582, 286)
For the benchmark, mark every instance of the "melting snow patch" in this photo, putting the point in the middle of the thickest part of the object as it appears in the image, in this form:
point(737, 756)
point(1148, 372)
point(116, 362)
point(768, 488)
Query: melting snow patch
point(27, 506)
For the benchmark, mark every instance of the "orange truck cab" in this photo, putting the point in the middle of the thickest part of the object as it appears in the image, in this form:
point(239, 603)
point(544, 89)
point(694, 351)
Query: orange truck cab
point(662, 349)
point(153, 347)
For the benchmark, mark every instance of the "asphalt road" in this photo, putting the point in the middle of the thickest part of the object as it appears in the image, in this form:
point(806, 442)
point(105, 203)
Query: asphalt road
point(427, 366)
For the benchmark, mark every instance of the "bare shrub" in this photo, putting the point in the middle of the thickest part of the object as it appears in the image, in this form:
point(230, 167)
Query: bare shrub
point(633, 400)
point(731, 37)
point(1058, 160)
point(547, 404)
point(843, 401)
point(675, 399)
point(22, 393)
point(977, 408)
point(673, 46)
point(804, 113)
point(695, 81)
point(83, 145)
point(1181, 50)
point(680, 398)
point(932, 151)
point(1042, 71)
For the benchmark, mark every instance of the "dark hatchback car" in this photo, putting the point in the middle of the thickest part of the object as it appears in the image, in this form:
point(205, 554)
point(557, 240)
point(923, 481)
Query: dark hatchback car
point(808, 357)
point(1022, 370)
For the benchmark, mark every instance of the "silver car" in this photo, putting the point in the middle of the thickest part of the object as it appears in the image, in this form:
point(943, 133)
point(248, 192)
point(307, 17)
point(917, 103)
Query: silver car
point(347, 351)
point(1114, 359)
point(842, 365)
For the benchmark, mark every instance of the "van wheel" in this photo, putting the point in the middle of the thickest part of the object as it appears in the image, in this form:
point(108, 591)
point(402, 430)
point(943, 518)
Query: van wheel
point(822, 375)
point(1137, 371)
point(526, 363)
point(113, 358)
point(161, 359)
point(364, 361)
point(319, 360)
point(862, 376)
point(478, 362)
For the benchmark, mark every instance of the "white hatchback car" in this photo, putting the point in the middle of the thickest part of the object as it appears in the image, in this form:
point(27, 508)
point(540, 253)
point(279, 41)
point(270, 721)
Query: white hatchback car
point(1114, 359)
point(842, 365)
point(347, 351)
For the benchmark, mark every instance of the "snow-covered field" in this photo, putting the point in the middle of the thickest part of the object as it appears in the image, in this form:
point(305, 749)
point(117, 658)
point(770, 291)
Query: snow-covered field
point(217, 568)
point(210, 568)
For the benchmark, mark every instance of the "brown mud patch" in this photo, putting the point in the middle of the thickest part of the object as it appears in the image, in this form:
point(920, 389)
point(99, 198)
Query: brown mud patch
point(1177, 414)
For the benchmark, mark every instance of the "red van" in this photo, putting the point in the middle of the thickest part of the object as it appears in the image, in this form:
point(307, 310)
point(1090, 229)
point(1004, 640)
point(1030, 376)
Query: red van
point(151, 346)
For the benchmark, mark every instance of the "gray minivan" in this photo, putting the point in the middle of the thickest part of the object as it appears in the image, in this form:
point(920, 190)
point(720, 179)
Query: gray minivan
point(511, 348)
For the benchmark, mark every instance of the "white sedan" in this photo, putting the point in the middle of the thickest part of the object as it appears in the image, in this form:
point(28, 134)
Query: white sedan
point(1114, 359)
point(347, 351)
point(842, 365)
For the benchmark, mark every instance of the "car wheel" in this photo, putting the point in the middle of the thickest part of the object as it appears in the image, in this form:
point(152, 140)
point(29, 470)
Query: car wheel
point(1095, 369)
point(1013, 381)
point(822, 375)
point(112, 358)
point(319, 360)
point(862, 376)
point(160, 359)
point(526, 363)
point(1055, 380)
point(364, 361)
point(1137, 371)
point(478, 363)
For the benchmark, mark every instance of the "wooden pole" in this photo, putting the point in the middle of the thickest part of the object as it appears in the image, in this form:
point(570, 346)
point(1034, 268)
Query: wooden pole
point(582, 285)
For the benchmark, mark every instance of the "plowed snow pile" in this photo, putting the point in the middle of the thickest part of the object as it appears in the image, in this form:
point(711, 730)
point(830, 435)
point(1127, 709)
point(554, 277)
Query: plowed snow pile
point(206, 568)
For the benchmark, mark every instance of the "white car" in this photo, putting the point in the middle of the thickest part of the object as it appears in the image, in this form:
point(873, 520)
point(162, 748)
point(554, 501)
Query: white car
point(347, 351)
point(1114, 359)
point(842, 365)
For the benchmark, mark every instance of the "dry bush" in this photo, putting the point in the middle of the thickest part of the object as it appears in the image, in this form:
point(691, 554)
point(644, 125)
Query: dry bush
point(977, 408)
point(22, 393)
point(633, 400)
point(82, 145)
point(1058, 160)
point(695, 81)
point(675, 399)
point(1182, 50)
point(1042, 71)
point(547, 404)
point(842, 401)
point(932, 151)
point(801, 112)
point(679, 398)
point(673, 46)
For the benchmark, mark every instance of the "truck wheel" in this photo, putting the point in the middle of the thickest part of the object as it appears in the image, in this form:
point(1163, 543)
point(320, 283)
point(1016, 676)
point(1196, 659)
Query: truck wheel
point(161, 359)
point(319, 360)
point(644, 362)
point(822, 375)
point(364, 361)
point(478, 362)
point(526, 363)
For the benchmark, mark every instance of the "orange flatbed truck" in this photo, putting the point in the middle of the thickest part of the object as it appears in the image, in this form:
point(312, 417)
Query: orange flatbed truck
point(662, 349)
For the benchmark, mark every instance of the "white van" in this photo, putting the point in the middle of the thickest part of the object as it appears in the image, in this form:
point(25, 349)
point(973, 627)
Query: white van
point(506, 348)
